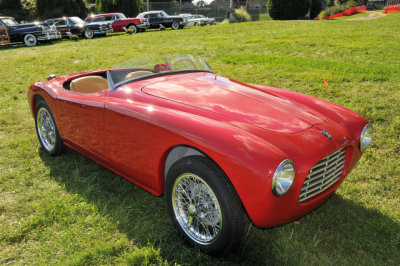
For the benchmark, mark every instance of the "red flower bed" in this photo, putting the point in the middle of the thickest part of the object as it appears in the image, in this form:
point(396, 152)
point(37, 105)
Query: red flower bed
point(392, 9)
point(348, 12)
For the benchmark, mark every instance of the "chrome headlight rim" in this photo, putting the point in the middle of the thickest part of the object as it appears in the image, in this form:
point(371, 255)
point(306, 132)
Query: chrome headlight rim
point(276, 180)
point(364, 142)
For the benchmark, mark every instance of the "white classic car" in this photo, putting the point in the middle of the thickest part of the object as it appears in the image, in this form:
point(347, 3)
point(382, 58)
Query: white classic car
point(197, 20)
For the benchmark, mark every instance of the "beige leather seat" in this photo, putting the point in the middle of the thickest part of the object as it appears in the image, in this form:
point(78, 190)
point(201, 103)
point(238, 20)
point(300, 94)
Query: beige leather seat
point(89, 84)
point(137, 74)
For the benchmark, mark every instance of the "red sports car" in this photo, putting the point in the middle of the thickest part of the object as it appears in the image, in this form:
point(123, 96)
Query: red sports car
point(218, 148)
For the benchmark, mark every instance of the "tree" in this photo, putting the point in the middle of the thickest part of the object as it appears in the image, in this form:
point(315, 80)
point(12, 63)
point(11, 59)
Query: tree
point(51, 8)
point(11, 8)
point(288, 9)
point(129, 7)
point(316, 8)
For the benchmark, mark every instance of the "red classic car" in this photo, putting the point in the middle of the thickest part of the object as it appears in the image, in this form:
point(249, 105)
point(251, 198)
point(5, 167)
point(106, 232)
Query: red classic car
point(120, 23)
point(218, 148)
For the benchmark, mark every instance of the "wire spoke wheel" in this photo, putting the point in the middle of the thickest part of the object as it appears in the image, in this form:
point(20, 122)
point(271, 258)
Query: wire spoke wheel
point(203, 205)
point(196, 208)
point(46, 129)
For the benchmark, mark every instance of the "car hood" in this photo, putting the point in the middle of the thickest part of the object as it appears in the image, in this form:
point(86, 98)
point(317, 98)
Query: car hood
point(29, 25)
point(238, 102)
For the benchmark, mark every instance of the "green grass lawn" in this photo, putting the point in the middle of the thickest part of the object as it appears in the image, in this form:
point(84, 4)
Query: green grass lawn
point(71, 210)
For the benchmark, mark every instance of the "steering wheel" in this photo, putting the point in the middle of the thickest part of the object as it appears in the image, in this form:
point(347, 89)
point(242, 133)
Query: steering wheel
point(185, 59)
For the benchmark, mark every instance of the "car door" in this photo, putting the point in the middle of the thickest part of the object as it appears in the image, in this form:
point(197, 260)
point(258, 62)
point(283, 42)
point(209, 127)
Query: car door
point(154, 20)
point(133, 143)
point(4, 38)
point(62, 27)
point(81, 121)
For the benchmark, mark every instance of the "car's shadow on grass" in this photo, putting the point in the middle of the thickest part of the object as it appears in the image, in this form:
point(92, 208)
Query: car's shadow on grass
point(338, 230)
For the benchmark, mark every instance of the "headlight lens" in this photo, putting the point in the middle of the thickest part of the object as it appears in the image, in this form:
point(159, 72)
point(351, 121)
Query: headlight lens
point(366, 137)
point(283, 178)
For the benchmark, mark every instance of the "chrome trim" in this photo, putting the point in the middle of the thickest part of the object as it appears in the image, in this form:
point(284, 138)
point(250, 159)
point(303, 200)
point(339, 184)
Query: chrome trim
point(274, 179)
point(367, 126)
point(323, 175)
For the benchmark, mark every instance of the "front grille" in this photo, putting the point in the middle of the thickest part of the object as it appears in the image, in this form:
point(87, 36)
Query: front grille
point(323, 175)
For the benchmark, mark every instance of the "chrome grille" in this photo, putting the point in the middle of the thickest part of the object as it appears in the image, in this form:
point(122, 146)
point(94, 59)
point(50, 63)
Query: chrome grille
point(323, 175)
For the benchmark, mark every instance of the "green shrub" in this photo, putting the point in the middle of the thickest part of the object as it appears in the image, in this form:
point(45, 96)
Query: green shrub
point(339, 8)
point(288, 9)
point(241, 15)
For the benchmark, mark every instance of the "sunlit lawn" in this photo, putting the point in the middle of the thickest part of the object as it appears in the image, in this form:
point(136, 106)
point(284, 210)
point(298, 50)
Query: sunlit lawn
point(71, 210)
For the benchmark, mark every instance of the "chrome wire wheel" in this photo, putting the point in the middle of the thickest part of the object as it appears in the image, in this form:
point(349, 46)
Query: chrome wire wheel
point(46, 129)
point(196, 208)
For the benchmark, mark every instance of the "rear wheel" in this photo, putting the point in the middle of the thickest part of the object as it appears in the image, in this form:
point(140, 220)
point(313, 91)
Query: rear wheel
point(46, 130)
point(203, 205)
point(30, 40)
point(175, 25)
point(132, 29)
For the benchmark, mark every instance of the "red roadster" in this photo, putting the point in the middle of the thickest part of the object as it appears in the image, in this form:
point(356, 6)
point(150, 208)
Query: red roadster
point(216, 147)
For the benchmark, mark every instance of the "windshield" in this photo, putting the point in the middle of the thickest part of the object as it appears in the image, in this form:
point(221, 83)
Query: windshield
point(10, 21)
point(156, 65)
point(121, 16)
point(162, 14)
point(76, 20)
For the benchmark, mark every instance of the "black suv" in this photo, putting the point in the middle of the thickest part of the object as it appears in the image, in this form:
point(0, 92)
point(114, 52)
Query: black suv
point(156, 18)
point(11, 32)
point(76, 26)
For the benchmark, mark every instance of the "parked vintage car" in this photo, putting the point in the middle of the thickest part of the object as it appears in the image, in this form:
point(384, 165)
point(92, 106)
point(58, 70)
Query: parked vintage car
point(109, 17)
point(77, 26)
point(157, 18)
point(197, 20)
point(11, 32)
point(218, 148)
point(120, 23)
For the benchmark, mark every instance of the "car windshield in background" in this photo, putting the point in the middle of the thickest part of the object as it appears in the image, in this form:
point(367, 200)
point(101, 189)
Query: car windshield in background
point(140, 68)
point(76, 20)
point(10, 21)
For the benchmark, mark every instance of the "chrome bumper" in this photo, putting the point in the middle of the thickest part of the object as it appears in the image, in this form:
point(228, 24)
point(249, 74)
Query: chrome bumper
point(49, 35)
point(97, 32)
point(144, 25)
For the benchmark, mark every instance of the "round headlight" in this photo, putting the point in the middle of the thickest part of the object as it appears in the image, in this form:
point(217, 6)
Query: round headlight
point(283, 178)
point(366, 137)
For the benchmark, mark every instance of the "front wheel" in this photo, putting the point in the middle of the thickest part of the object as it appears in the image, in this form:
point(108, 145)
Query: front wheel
point(30, 40)
point(203, 205)
point(89, 34)
point(47, 131)
point(175, 25)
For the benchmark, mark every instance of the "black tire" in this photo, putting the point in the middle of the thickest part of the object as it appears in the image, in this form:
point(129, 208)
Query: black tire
point(89, 34)
point(219, 212)
point(48, 135)
point(30, 40)
point(133, 28)
point(175, 25)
